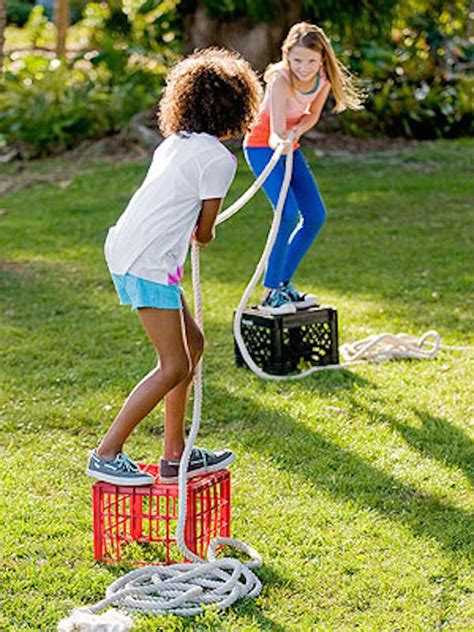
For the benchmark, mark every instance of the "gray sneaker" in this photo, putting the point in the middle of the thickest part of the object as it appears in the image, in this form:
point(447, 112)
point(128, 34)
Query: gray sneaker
point(201, 462)
point(121, 471)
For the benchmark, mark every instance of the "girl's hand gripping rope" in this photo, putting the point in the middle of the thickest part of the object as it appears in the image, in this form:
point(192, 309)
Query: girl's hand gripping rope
point(276, 141)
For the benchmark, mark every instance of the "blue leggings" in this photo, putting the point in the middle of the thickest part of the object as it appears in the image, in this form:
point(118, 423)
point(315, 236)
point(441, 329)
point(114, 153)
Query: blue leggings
point(303, 202)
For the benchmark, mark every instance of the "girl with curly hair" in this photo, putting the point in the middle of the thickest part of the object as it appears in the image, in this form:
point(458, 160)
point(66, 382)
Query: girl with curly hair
point(297, 89)
point(210, 96)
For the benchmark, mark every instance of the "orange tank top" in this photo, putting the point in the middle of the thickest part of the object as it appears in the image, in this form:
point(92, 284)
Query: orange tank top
point(297, 106)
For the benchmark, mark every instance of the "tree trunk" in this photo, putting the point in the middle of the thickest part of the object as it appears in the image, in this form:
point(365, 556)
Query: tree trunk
point(61, 20)
point(3, 23)
point(259, 43)
point(470, 20)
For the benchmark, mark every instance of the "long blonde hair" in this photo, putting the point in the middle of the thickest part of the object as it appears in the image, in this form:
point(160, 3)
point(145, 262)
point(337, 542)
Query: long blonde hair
point(343, 84)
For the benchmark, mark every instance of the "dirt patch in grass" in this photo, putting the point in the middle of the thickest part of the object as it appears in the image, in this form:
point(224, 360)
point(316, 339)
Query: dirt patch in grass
point(335, 142)
point(12, 266)
point(60, 170)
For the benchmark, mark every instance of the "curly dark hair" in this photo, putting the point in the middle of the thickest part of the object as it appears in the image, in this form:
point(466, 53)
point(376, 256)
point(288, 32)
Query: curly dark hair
point(214, 90)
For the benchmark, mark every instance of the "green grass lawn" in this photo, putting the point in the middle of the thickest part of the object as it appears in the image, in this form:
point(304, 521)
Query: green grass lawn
point(355, 486)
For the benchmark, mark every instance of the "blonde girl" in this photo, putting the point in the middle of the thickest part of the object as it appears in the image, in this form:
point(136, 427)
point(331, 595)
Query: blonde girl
point(297, 89)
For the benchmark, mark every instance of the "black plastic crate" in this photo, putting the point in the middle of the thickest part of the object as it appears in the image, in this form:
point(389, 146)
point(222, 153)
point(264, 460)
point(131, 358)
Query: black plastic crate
point(284, 344)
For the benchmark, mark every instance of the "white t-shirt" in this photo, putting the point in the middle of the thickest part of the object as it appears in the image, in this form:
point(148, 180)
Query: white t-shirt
point(151, 237)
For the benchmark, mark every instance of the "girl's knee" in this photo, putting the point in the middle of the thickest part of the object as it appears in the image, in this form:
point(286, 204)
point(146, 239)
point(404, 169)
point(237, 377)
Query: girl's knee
point(315, 221)
point(176, 371)
point(289, 219)
point(322, 216)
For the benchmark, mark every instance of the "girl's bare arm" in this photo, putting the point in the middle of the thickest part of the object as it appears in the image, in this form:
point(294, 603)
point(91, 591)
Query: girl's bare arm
point(279, 94)
point(204, 231)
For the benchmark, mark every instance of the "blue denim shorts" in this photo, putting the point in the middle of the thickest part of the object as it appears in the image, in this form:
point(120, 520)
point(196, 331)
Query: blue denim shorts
point(137, 292)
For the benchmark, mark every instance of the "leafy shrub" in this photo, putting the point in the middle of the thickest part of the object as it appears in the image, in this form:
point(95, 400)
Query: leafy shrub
point(48, 105)
point(435, 109)
point(37, 31)
point(408, 96)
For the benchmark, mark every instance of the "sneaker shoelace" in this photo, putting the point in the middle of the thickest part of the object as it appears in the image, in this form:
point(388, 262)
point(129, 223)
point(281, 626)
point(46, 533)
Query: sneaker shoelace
point(197, 453)
point(277, 298)
point(290, 290)
point(125, 463)
point(200, 453)
point(280, 298)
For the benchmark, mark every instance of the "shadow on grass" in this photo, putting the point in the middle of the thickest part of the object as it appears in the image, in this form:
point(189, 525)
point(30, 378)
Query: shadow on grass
point(328, 382)
point(443, 441)
point(437, 438)
point(310, 455)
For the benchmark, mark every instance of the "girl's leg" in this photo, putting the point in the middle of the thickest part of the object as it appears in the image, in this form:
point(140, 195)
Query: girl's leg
point(176, 400)
point(257, 158)
point(313, 215)
point(166, 330)
point(201, 460)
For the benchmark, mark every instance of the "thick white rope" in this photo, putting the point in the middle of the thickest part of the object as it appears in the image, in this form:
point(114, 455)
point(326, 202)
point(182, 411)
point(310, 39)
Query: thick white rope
point(381, 347)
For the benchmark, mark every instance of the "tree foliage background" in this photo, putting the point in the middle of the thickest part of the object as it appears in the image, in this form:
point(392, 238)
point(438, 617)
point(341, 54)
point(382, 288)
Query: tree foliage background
point(414, 58)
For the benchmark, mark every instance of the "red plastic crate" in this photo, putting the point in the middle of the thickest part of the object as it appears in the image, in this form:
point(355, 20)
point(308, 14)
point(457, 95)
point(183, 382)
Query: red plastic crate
point(137, 524)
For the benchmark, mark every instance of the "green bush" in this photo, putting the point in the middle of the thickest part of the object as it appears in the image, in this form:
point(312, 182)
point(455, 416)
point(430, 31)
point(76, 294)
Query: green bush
point(408, 96)
point(48, 105)
point(425, 110)
point(37, 32)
